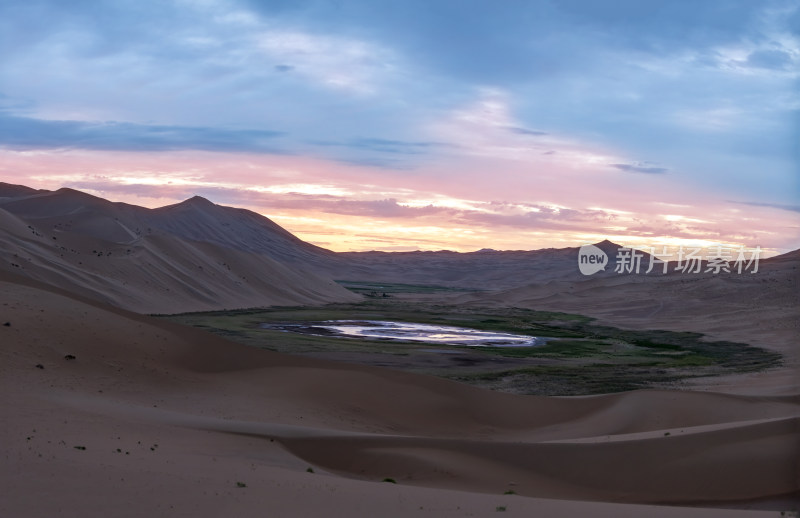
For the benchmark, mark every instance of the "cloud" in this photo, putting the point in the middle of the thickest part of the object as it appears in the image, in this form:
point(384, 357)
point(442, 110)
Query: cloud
point(388, 208)
point(488, 127)
point(393, 146)
point(332, 60)
point(640, 168)
point(525, 131)
point(30, 133)
point(310, 198)
point(773, 59)
point(667, 25)
point(381, 153)
point(386, 145)
point(345, 211)
point(383, 163)
point(792, 208)
point(552, 100)
point(544, 218)
point(10, 104)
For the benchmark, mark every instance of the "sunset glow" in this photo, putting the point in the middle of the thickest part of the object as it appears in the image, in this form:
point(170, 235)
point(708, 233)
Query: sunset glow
point(357, 130)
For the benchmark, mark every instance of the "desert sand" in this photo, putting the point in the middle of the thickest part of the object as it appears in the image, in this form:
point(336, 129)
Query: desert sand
point(760, 309)
point(148, 260)
point(109, 412)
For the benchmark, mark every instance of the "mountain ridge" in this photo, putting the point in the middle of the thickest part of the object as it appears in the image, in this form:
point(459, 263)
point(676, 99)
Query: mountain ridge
point(198, 220)
point(128, 256)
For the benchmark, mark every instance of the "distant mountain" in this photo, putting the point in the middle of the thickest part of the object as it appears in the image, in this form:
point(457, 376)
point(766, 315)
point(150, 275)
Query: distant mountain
point(199, 219)
point(484, 269)
point(196, 219)
point(8, 190)
point(77, 227)
point(187, 257)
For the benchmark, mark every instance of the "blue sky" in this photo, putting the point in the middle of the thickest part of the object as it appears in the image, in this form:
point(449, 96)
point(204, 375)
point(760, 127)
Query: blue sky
point(468, 119)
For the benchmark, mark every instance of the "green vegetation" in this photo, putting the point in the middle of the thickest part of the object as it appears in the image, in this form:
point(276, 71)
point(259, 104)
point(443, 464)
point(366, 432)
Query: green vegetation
point(390, 480)
point(580, 357)
point(378, 289)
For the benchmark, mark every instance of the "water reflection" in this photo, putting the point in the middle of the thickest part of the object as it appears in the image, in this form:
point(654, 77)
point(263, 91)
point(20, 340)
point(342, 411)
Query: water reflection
point(410, 332)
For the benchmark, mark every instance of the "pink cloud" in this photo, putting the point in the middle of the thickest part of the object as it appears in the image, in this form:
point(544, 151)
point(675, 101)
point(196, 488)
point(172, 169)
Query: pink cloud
point(471, 203)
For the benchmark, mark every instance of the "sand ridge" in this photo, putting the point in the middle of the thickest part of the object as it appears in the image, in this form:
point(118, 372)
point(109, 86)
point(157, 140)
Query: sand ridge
point(108, 412)
point(119, 254)
point(199, 398)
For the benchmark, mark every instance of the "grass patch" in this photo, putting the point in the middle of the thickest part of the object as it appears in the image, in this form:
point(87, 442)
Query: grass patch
point(582, 358)
point(568, 380)
point(379, 289)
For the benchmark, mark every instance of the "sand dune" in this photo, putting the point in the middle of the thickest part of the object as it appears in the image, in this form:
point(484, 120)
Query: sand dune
point(108, 412)
point(197, 219)
point(111, 252)
point(760, 309)
point(222, 413)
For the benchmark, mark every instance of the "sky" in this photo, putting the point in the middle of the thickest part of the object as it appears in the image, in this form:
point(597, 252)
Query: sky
point(420, 124)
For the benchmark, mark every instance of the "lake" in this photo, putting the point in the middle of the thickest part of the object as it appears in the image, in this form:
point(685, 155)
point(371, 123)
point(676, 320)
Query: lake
point(409, 332)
